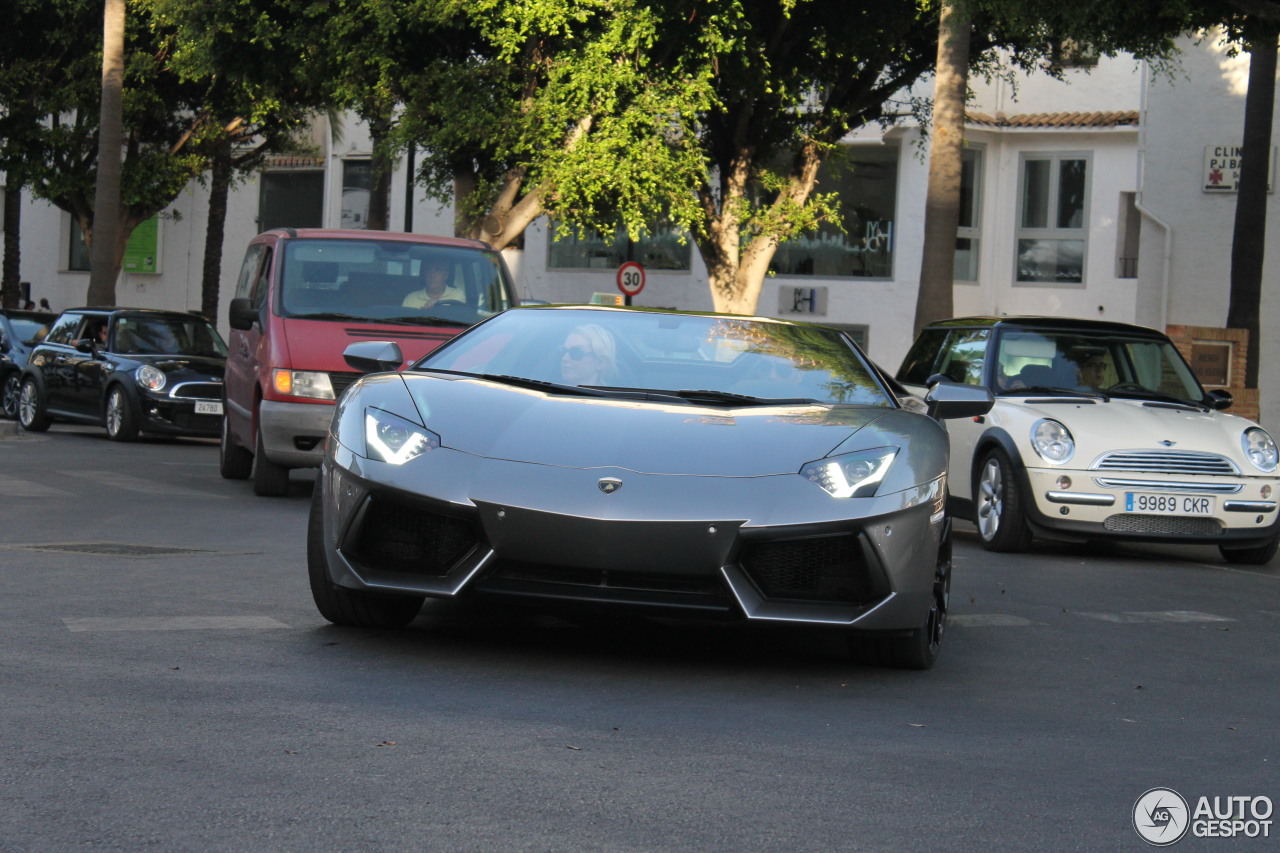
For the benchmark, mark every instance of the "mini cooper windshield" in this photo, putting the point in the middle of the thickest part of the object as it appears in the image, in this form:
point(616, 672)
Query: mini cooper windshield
point(728, 361)
point(1045, 361)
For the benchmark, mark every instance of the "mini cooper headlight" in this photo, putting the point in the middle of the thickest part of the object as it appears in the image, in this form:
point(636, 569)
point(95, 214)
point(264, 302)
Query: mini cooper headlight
point(303, 383)
point(150, 377)
point(851, 475)
point(395, 440)
point(1260, 448)
point(1052, 440)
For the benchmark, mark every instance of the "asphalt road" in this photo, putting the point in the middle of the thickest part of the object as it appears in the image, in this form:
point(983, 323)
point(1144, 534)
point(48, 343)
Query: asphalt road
point(166, 684)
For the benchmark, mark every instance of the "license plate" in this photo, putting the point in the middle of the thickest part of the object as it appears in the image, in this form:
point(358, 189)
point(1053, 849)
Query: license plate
point(1157, 504)
point(207, 408)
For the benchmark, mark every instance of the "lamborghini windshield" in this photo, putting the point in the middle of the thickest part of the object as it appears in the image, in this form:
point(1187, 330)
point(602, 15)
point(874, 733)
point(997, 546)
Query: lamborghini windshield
point(712, 359)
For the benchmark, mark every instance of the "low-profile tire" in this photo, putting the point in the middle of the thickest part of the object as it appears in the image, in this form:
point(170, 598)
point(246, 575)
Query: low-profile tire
point(916, 649)
point(31, 411)
point(120, 417)
point(997, 499)
point(234, 462)
point(10, 393)
point(351, 607)
point(269, 479)
point(1258, 556)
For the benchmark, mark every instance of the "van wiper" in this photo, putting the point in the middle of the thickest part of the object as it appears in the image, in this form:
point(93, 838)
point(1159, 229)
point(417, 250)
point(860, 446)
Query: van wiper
point(326, 315)
point(419, 320)
point(707, 396)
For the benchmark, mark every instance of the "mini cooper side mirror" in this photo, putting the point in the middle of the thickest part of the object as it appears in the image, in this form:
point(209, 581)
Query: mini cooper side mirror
point(84, 345)
point(374, 356)
point(948, 400)
point(1219, 399)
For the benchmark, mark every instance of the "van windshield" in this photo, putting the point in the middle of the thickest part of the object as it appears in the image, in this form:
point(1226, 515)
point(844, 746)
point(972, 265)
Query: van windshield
point(389, 281)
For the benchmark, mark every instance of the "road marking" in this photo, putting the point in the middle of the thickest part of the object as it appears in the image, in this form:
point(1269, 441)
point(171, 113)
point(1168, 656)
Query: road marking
point(139, 484)
point(988, 620)
point(12, 487)
point(173, 623)
point(1158, 616)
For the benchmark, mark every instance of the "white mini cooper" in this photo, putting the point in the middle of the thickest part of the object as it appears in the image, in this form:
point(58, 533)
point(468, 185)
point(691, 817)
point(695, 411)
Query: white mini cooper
point(1099, 430)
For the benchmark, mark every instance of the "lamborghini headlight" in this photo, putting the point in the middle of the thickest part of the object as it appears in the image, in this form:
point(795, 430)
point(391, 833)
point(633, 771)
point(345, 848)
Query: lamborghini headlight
point(851, 475)
point(1260, 448)
point(393, 439)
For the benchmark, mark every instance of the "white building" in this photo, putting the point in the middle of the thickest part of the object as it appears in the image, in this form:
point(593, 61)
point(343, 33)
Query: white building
point(1084, 197)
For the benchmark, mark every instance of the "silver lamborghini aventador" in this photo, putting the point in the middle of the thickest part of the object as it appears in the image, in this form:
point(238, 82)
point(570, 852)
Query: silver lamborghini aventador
point(678, 463)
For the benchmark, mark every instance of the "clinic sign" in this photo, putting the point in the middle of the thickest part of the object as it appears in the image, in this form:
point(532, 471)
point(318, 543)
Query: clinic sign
point(1222, 168)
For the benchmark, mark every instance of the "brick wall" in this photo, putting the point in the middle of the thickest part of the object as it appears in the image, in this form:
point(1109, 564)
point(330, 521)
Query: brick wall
point(1246, 399)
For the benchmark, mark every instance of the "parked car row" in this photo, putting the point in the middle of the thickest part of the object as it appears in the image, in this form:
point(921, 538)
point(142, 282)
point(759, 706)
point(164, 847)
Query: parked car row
point(651, 460)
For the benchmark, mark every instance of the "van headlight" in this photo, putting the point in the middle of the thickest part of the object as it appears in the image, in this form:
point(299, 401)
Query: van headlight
point(1260, 449)
point(392, 439)
point(303, 383)
point(851, 475)
point(1052, 441)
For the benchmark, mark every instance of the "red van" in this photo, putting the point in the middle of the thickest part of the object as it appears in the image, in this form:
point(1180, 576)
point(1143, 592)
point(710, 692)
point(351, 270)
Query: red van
point(303, 296)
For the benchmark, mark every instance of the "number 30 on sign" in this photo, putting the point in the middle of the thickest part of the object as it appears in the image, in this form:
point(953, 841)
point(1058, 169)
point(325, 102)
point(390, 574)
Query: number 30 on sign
point(631, 278)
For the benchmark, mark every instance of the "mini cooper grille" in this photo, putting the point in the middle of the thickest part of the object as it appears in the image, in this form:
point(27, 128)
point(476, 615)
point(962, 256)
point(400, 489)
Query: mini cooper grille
point(1172, 525)
point(830, 568)
point(198, 391)
point(398, 537)
point(1166, 462)
point(341, 382)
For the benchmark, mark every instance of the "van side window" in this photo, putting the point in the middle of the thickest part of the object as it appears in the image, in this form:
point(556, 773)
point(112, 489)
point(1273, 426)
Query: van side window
point(263, 283)
point(249, 270)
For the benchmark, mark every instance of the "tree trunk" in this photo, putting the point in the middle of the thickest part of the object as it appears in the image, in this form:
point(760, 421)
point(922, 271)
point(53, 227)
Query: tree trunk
point(211, 271)
point(465, 185)
point(1248, 243)
point(935, 300)
point(380, 194)
point(12, 243)
point(104, 260)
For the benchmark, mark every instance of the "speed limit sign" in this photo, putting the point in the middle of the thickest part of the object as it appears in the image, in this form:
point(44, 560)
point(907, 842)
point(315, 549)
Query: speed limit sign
point(630, 279)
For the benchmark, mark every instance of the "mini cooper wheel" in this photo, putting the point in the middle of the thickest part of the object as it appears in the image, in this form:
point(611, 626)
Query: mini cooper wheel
point(1258, 556)
point(10, 394)
point(120, 417)
point(343, 606)
point(234, 462)
point(269, 479)
point(31, 411)
point(997, 499)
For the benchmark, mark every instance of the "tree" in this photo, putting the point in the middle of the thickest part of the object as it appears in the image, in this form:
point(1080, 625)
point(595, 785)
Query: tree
point(247, 60)
point(946, 143)
point(108, 248)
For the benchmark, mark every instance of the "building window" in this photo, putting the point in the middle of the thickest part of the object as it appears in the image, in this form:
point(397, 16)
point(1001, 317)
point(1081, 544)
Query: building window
point(1052, 215)
point(664, 248)
point(292, 199)
point(357, 184)
point(866, 180)
point(78, 253)
point(968, 235)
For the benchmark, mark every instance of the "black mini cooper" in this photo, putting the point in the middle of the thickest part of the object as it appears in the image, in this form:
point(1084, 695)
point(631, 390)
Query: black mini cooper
point(130, 369)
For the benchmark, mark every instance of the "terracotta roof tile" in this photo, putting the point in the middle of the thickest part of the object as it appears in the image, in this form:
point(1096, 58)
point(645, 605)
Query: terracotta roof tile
point(294, 161)
point(1113, 118)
